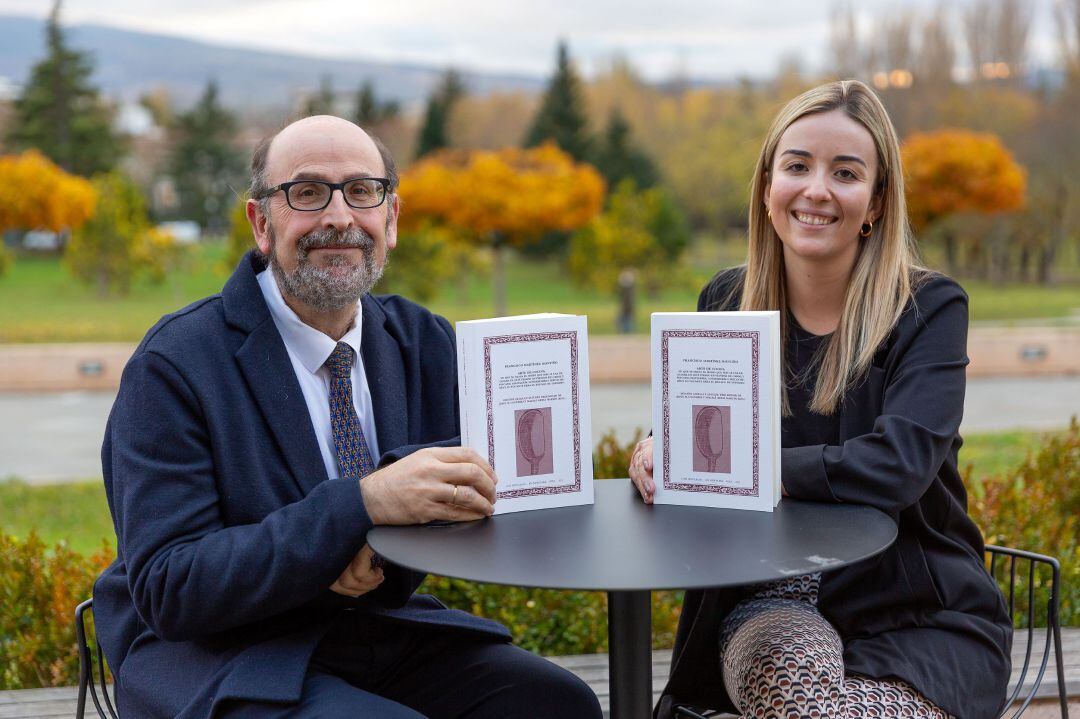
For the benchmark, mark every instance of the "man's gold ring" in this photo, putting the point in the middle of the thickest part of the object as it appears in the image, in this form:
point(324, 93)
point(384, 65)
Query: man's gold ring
point(453, 497)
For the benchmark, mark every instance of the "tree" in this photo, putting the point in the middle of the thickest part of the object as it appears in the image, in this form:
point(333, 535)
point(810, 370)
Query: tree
point(205, 163)
point(636, 237)
point(239, 240)
point(997, 34)
point(619, 159)
point(561, 117)
point(957, 171)
point(845, 57)
point(60, 113)
point(118, 243)
point(36, 194)
point(425, 259)
point(321, 102)
point(434, 135)
point(369, 110)
point(506, 198)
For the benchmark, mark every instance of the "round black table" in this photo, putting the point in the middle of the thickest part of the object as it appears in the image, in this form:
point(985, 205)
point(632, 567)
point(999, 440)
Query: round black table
point(626, 548)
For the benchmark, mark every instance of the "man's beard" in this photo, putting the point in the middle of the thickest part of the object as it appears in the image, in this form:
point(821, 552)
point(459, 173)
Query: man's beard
point(326, 289)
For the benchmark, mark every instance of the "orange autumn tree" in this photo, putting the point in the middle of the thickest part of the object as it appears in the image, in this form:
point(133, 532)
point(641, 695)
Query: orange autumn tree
point(508, 197)
point(36, 194)
point(955, 171)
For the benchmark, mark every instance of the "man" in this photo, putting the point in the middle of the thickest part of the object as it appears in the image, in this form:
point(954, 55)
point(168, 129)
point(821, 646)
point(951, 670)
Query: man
point(239, 462)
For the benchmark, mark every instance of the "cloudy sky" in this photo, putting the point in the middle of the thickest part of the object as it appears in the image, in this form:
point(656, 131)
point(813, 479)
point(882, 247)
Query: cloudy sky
point(700, 38)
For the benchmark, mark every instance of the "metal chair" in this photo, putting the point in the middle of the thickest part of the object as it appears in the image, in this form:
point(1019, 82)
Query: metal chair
point(1004, 559)
point(1010, 557)
point(86, 669)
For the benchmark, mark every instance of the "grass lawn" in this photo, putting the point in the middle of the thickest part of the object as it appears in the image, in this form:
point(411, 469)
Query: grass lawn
point(78, 514)
point(75, 512)
point(40, 302)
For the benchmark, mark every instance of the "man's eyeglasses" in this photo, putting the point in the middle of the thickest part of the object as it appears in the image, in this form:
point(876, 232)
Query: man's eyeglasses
point(313, 195)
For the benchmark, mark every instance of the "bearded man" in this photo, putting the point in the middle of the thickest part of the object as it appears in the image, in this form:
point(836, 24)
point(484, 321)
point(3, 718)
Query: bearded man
point(258, 435)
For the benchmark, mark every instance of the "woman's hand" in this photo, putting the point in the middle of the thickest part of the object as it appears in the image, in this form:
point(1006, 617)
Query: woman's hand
point(641, 468)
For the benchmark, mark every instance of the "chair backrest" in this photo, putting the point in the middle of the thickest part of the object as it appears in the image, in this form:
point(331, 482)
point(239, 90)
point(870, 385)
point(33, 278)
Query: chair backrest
point(1022, 573)
point(86, 669)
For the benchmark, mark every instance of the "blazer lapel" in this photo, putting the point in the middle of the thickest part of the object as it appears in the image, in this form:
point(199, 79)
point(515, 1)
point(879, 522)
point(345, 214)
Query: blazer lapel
point(264, 363)
point(384, 368)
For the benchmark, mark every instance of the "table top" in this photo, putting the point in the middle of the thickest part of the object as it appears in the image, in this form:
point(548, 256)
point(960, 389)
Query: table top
point(622, 544)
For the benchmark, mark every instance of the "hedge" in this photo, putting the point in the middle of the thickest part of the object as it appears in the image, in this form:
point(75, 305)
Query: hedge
point(1036, 506)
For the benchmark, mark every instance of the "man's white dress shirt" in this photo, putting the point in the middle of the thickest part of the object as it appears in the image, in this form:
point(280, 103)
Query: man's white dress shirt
point(308, 350)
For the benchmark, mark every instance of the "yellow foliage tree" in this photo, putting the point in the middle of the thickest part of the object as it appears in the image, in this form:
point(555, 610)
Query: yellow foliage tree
point(118, 242)
point(35, 193)
point(240, 239)
point(959, 171)
point(629, 241)
point(509, 197)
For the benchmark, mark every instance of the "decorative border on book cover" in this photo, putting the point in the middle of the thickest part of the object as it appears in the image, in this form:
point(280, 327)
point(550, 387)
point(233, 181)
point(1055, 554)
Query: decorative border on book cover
point(755, 340)
point(536, 337)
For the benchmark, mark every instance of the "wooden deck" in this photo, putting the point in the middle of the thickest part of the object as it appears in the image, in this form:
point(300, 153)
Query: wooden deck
point(593, 668)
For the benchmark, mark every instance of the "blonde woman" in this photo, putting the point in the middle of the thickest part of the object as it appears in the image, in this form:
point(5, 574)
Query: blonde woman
point(875, 356)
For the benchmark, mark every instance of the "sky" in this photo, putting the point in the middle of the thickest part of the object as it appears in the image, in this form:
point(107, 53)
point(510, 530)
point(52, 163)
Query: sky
point(714, 39)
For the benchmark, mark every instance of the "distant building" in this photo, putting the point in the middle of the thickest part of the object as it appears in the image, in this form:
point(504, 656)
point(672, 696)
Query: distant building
point(8, 89)
point(134, 120)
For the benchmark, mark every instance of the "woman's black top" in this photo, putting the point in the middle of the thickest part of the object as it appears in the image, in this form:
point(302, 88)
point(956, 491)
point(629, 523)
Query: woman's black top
point(801, 362)
point(925, 610)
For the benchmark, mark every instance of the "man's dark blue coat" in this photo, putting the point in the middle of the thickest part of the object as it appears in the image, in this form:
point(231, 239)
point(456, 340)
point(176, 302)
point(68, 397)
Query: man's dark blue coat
point(228, 531)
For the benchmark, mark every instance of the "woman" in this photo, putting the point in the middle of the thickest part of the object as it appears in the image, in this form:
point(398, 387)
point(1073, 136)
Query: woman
point(875, 351)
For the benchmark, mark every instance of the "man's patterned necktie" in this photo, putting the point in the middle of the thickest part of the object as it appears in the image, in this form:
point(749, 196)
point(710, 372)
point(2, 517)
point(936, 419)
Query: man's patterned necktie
point(354, 457)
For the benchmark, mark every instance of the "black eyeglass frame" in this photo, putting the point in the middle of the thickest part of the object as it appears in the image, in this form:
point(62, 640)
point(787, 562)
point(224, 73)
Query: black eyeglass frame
point(285, 186)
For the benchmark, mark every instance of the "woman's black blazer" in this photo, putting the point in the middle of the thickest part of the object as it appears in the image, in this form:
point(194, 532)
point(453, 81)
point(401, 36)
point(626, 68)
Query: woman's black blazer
point(925, 610)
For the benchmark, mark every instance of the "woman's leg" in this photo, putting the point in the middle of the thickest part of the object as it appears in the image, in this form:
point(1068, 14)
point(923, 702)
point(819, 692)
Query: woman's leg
point(781, 659)
point(868, 697)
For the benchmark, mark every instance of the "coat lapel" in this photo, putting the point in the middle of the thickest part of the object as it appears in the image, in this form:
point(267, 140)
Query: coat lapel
point(384, 367)
point(264, 363)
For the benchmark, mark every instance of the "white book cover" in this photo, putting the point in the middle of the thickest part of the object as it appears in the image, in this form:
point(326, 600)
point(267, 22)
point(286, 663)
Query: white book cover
point(523, 386)
point(716, 409)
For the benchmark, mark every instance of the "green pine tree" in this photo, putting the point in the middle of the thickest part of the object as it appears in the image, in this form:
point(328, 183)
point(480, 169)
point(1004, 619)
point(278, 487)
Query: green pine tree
point(435, 135)
point(368, 110)
point(61, 114)
point(561, 117)
point(619, 159)
point(322, 102)
point(205, 164)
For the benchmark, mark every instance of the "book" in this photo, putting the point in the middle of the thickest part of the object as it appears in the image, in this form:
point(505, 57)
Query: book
point(523, 387)
point(716, 409)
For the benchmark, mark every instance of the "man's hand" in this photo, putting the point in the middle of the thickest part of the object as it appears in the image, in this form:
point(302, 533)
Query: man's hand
point(360, 577)
point(437, 483)
point(641, 469)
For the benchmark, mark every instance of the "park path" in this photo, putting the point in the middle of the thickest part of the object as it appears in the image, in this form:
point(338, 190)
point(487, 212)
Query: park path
point(50, 437)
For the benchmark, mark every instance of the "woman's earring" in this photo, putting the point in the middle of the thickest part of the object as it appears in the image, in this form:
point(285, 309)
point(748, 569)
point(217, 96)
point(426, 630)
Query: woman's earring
point(768, 211)
point(866, 229)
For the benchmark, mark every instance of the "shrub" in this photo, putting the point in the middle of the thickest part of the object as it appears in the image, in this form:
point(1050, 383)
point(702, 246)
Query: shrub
point(39, 589)
point(552, 621)
point(1037, 507)
point(612, 459)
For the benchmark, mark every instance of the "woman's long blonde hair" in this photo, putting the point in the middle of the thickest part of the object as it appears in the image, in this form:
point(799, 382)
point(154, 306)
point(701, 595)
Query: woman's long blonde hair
point(881, 281)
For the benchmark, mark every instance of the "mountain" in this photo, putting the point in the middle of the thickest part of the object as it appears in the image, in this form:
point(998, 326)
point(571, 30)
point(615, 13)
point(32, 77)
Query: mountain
point(128, 63)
